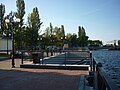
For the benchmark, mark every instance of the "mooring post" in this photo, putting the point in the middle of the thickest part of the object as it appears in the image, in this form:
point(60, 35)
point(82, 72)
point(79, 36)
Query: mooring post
point(94, 65)
point(91, 62)
point(22, 58)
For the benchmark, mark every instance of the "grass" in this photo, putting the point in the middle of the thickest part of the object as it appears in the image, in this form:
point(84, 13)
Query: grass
point(3, 55)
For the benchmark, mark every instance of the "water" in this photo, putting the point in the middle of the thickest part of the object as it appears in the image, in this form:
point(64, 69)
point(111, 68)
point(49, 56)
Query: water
point(111, 63)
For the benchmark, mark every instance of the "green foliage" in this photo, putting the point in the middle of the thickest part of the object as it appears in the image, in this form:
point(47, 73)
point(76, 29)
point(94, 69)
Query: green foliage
point(3, 55)
point(68, 39)
point(20, 10)
point(62, 31)
point(82, 38)
point(51, 28)
point(68, 36)
point(33, 27)
point(18, 28)
point(56, 35)
point(47, 32)
point(2, 12)
point(94, 43)
point(29, 36)
point(73, 40)
point(34, 19)
point(57, 30)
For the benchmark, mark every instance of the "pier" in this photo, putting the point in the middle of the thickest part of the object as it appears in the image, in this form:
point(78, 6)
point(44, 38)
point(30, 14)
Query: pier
point(72, 70)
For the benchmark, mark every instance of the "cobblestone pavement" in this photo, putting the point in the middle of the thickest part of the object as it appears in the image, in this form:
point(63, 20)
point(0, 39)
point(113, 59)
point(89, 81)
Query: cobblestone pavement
point(37, 79)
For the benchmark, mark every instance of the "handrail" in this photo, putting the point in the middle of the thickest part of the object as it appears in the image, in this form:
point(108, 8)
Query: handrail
point(104, 83)
point(68, 55)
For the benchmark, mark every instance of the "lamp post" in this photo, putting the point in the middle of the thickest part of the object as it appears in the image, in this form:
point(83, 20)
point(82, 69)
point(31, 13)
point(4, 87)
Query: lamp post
point(7, 33)
point(11, 20)
point(63, 42)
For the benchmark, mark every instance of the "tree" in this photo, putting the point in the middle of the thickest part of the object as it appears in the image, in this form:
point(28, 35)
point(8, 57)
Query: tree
point(20, 11)
point(47, 36)
point(51, 28)
point(27, 37)
point(82, 38)
point(94, 43)
point(55, 34)
point(63, 35)
point(73, 40)
point(19, 14)
point(47, 32)
point(2, 12)
point(58, 36)
point(62, 31)
point(79, 32)
point(34, 24)
point(68, 39)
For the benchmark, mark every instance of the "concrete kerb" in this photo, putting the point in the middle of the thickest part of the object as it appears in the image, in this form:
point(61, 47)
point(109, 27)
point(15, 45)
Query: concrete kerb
point(38, 66)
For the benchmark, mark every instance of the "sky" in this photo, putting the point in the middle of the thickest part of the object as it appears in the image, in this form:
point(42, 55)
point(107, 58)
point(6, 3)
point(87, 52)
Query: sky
point(100, 18)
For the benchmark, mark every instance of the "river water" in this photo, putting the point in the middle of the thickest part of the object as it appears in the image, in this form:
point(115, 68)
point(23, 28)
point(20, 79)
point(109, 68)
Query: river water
point(110, 62)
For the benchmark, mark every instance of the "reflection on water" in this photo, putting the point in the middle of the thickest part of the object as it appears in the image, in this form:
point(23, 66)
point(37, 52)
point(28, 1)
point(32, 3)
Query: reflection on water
point(111, 63)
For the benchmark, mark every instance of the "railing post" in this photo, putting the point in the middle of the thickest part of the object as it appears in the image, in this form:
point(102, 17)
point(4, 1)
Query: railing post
point(65, 58)
point(101, 83)
point(42, 52)
point(91, 62)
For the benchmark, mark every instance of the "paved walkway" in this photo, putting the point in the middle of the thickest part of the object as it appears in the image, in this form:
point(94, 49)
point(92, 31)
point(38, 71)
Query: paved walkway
point(37, 79)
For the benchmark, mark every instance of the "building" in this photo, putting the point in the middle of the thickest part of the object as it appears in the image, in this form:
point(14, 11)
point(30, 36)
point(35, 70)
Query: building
point(5, 44)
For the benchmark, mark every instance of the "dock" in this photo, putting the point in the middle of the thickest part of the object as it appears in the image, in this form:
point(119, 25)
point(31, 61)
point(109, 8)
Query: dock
point(71, 70)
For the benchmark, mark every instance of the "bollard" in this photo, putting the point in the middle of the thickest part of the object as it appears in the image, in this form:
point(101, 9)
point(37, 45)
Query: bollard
point(22, 58)
point(91, 62)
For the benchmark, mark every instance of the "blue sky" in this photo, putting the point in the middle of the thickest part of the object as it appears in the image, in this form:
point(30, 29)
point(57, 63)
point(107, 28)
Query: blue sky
point(100, 18)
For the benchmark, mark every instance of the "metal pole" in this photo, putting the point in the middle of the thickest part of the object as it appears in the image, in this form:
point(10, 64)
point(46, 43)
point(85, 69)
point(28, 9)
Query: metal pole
point(52, 45)
point(91, 64)
point(65, 58)
point(7, 44)
point(7, 38)
point(20, 36)
point(13, 63)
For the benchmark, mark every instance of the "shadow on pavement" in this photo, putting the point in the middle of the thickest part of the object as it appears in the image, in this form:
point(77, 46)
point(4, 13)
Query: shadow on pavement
point(3, 59)
point(39, 79)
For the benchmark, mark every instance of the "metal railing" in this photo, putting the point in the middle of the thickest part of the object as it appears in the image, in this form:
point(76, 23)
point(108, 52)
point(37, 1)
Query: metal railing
point(101, 80)
point(74, 57)
point(68, 57)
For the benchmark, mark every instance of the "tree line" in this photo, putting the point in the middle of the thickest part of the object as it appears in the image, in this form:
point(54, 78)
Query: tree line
point(27, 35)
point(73, 40)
